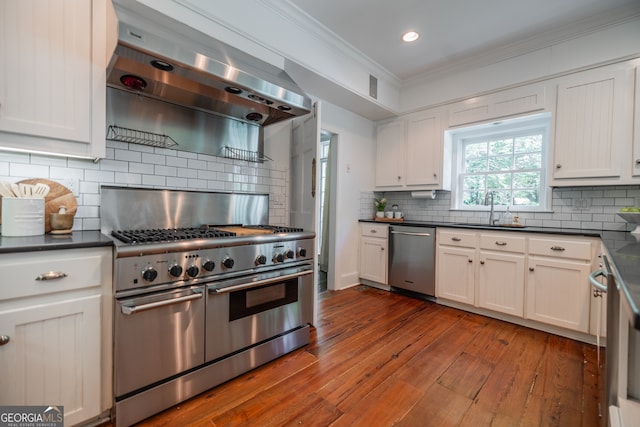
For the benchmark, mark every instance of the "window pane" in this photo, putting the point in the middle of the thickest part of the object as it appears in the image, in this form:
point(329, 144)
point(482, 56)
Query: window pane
point(498, 181)
point(501, 198)
point(476, 165)
point(528, 143)
point(473, 182)
point(473, 198)
point(501, 146)
point(501, 163)
point(475, 150)
point(526, 180)
point(526, 198)
point(528, 161)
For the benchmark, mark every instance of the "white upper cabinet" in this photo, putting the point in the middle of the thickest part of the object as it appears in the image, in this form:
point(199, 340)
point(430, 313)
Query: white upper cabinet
point(410, 153)
point(53, 75)
point(593, 126)
point(636, 134)
point(510, 102)
point(390, 145)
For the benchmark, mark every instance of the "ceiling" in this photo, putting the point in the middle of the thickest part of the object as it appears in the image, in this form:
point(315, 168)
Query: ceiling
point(459, 31)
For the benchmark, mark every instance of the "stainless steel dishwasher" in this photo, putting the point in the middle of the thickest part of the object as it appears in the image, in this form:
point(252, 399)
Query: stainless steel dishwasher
point(412, 252)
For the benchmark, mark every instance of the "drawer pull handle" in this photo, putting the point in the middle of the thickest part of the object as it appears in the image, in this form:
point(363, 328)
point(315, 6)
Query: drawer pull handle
point(557, 248)
point(482, 262)
point(373, 231)
point(51, 275)
point(531, 269)
point(456, 239)
point(4, 339)
point(500, 243)
point(470, 260)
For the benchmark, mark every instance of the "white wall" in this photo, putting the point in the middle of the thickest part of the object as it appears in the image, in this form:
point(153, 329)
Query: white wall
point(622, 41)
point(355, 157)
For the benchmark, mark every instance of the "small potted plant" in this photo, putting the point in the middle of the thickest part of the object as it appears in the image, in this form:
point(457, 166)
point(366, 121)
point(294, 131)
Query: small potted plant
point(380, 205)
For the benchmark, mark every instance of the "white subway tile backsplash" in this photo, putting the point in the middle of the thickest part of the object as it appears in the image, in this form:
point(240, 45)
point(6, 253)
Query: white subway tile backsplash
point(141, 168)
point(166, 170)
point(197, 164)
point(114, 165)
point(154, 159)
point(22, 170)
point(128, 156)
point(154, 180)
point(125, 178)
point(99, 176)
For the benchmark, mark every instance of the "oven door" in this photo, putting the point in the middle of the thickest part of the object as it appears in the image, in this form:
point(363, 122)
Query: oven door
point(245, 311)
point(157, 336)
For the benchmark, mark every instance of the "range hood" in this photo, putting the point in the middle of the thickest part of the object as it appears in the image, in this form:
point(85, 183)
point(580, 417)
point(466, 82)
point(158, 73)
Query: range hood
point(210, 76)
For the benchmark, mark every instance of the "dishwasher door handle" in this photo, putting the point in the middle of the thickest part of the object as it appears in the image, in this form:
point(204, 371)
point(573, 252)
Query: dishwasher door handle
point(411, 234)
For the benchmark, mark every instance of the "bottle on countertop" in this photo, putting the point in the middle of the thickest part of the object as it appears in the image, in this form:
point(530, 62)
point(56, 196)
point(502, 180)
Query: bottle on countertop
point(507, 217)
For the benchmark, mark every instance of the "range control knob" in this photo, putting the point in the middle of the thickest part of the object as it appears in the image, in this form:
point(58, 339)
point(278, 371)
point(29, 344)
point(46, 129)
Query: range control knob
point(209, 265)
point(289, 254)
point(149, 274)
point(261, 259)
point(192, 271)
point(228, 262)
point(278, 258)
point(302, 252)
point(175, 270)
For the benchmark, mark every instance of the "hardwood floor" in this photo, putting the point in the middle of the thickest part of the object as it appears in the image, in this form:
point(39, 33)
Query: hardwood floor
point(379, 359)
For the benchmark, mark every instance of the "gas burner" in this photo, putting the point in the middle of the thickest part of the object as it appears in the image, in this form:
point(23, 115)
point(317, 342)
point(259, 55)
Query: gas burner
point(168, 235)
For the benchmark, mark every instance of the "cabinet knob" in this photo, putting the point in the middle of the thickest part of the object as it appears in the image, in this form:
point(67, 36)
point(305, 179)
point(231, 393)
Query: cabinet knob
point(558, 166)
point(482, 262)
point(435, 175)
point(638, 162)
point(4, 339)
point(382, 249)
point(531, 269)
point(470, 260)
point(399, 177)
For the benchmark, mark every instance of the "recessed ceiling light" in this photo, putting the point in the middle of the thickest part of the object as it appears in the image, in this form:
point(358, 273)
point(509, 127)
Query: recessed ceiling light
point(410, 36)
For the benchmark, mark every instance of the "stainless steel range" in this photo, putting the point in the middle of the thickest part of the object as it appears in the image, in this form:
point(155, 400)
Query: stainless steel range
point(200, 297)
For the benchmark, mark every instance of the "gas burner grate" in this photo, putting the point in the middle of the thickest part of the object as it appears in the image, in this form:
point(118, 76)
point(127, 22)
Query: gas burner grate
point(168, 235)
point(276, 228)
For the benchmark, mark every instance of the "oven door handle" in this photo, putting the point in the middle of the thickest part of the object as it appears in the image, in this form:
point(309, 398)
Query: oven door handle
point(128, 310)
point(214, 290)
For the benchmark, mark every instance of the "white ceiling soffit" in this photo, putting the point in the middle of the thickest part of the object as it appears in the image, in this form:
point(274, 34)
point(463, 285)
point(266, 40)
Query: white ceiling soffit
point(457, 34)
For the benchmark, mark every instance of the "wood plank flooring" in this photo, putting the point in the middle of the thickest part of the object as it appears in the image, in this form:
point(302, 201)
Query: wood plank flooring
point(381, 359)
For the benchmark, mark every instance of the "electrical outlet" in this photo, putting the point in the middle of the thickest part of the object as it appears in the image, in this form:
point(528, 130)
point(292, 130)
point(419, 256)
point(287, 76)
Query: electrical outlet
point(72, 184)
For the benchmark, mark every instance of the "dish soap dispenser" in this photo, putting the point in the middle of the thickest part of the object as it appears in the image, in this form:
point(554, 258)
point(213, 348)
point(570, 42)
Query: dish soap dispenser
point(507, 217)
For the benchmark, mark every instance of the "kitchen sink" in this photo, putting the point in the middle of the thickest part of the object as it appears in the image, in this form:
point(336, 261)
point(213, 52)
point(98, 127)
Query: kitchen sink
point(486, 225)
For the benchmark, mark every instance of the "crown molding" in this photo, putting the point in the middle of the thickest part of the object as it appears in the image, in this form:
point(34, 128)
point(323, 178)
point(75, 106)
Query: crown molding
point(543, 39)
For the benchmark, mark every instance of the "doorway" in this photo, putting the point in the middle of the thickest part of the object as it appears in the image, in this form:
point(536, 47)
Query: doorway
point(327, 182)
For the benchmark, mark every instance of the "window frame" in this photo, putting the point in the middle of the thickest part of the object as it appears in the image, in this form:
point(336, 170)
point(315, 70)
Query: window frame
point(504, 128)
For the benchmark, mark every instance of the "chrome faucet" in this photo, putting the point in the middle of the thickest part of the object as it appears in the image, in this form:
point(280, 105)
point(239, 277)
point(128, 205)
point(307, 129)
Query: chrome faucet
point(488, 199)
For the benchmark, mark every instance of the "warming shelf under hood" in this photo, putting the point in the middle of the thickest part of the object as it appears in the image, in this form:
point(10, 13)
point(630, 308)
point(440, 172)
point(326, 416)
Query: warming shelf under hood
point(211, 77)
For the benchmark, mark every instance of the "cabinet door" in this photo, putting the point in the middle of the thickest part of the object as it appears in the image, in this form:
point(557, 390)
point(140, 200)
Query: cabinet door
point(52, 75)
point(390, 154)
point(593, 123)
point(53, 357)
point(558, 293)
point(455, 274)
point(373, 259)
point(636, 127)
point(425, 139)
point(501, 282)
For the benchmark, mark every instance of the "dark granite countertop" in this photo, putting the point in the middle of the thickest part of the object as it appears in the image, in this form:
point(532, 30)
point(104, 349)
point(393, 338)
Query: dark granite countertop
point(48, 242)
point(623, 249)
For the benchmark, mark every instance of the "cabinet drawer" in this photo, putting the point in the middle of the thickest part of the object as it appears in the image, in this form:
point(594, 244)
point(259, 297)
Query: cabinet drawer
point(83, 268)
point(374, 230)
point(502, 242)
point(561, 248)
point(462, 239)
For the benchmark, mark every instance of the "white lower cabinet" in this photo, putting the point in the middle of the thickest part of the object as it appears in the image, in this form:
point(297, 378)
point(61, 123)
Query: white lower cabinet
point(558, 293)
point(538, 277)
point(456, 274)
point(501, 282)
point(374, 250)
point(57, 334)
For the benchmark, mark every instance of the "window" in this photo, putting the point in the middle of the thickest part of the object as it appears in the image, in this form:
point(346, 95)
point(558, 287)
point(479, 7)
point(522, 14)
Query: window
point(507, 158)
